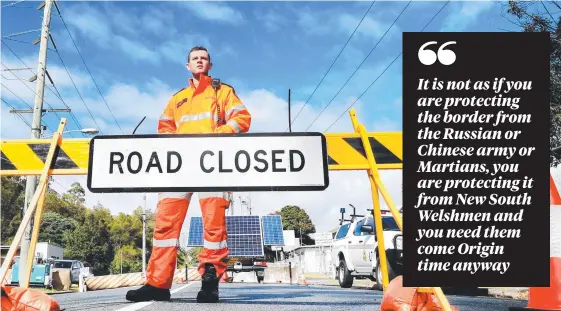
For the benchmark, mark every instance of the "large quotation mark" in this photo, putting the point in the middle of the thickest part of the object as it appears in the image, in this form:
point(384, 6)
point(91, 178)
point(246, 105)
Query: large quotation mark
point(428, 57)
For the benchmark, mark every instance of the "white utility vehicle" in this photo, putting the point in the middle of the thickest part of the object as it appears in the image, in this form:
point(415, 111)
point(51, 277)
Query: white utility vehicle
point(354, 251)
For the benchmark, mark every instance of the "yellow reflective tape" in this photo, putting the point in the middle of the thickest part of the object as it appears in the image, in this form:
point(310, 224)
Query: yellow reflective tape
point(77, 151)
point(392, 141)
point(343, 153)
point(346, 151)
point(21, 156)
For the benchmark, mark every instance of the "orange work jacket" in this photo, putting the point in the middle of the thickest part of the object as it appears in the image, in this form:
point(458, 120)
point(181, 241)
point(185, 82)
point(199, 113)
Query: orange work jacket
point(205, 110)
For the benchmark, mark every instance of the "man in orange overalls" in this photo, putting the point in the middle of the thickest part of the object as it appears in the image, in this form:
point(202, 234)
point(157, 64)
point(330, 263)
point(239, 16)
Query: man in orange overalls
point(204, 106)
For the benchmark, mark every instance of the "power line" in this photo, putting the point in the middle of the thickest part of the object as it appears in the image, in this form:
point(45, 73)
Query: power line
point(12, 4)
point(7, 88)
point(17, 114)
point(78, 125)
point(83, 61)
point(372, 50)
point(325, 75)
point(77, 91)
point(57, 94)
point(48, 105)
point(387, 67)
point(23, 101)
point(63, 187)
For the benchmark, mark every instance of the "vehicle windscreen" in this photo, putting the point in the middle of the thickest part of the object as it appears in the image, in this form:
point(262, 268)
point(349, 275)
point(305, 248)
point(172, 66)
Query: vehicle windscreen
point(389, 224)
point(62, 264)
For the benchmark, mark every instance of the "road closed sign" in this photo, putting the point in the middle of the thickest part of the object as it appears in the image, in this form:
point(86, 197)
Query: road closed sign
point(208, 162)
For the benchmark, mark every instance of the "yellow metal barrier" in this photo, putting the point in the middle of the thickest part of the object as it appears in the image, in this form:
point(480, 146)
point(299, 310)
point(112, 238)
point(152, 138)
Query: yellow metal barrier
point(37, 202)
point(361, 150)
point(345, 152)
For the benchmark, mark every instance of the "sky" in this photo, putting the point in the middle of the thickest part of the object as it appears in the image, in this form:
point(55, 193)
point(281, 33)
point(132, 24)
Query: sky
point(117, 62)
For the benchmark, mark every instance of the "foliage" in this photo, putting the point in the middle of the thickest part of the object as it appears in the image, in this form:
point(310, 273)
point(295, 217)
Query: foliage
point(90, 242)
point(296, 218)
point(12, 196)
point(530, 19)
point(192, 255)
point(131, 260)
point(102, 241)
point(181, 258)
point(53, 227)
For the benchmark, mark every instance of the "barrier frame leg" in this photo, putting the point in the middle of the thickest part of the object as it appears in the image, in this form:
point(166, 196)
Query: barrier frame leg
point(377, 185)
point(37, 202)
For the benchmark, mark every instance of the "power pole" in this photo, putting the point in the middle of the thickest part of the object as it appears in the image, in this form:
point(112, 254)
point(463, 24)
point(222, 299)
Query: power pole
point(32, 181)
point(144, 238)
point(289, 117)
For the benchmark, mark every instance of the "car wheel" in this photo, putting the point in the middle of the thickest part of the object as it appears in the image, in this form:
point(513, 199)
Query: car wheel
point(345, 278)
point(391, 275)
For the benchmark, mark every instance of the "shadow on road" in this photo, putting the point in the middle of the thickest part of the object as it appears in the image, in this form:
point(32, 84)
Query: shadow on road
point(282, 300)
point(91, 306)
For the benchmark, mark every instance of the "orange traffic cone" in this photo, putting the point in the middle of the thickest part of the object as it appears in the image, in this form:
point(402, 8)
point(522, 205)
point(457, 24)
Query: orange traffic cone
point(399, 298)
point(549, 298)
point(17, 298)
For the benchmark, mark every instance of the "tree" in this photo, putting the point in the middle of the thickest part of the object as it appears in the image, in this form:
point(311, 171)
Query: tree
point(535, 21)
point(65, 206)
point(192, 255)
point(126, 230)
point(53, 227)
point(12, 201)
point(131, 260)
point(295, 218)
point(181, 258)
point(76, 194)
point(90, 242)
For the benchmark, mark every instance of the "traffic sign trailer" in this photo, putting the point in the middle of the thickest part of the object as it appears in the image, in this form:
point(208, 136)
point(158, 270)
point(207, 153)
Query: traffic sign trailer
point(247, 236)
point(347, 151)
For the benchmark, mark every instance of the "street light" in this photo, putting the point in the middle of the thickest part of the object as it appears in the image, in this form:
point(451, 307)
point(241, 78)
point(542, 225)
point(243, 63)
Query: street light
point(89, 131)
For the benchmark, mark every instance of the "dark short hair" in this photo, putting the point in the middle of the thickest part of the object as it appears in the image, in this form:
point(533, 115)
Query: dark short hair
point(197, 48)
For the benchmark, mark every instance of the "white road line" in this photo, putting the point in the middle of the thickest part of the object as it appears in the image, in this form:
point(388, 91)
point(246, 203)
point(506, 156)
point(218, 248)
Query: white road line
point(140, 305)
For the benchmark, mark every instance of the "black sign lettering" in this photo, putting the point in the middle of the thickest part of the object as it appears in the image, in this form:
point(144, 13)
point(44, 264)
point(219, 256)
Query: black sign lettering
point(117, 162)
point(261, 160)
point(220, 162)
point(302, 161)
point(129, 164)
point(275, 161)
point(206, 170)
point(154, 162)
point(237, 161)
point(179, 162)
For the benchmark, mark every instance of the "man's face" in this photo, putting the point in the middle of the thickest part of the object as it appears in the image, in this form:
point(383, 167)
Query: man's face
point(199, 62)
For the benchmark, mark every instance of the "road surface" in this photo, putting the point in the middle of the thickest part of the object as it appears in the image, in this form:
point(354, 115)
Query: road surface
point(253, 296)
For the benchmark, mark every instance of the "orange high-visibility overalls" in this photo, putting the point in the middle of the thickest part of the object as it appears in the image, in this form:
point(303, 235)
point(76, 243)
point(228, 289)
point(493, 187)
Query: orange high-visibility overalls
point(204, 109)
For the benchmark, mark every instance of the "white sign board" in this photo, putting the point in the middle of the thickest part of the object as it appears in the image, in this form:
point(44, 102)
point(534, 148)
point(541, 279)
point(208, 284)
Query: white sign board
point(208, 162)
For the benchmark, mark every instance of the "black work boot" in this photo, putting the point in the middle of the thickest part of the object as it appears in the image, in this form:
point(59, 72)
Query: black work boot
point(147, 293)
point(209, 285)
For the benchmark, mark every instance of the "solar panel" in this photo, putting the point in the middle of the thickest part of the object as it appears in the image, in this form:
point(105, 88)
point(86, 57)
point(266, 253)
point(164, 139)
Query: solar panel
point(244, 235)
point(272, 230)
point(195, 232)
